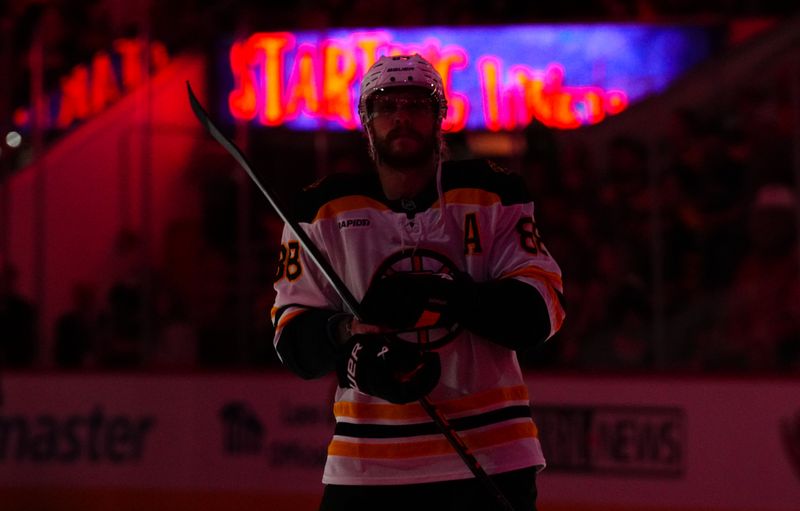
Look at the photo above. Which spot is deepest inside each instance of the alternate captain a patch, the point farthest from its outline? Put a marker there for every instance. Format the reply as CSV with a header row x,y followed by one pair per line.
x,y
472,237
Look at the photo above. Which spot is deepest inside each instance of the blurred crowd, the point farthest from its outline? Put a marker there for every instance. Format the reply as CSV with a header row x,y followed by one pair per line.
x,y
689,262
680,255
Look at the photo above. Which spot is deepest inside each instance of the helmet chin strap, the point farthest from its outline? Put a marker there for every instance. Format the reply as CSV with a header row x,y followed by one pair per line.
x,y
443,217
373,153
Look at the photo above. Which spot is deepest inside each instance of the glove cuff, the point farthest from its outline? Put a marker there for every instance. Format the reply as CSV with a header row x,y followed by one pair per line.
x,y
465,298
338,330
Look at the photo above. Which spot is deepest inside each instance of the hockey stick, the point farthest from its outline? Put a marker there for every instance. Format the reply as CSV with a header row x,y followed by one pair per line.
x,y
344,293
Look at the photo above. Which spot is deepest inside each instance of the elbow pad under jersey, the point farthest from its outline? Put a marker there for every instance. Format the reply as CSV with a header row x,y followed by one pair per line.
x,y
305,346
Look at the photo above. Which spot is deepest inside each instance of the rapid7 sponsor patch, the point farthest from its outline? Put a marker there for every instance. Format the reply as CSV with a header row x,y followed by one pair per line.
x,y
353,222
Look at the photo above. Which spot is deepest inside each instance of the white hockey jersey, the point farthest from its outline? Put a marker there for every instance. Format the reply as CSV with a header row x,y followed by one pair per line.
x,y
481,222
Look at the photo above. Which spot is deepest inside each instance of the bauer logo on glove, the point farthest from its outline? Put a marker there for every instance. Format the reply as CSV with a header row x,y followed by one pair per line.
x,y
392,370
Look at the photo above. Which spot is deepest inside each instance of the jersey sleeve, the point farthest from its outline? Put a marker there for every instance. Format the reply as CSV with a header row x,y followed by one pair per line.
x,y
518,252
299,285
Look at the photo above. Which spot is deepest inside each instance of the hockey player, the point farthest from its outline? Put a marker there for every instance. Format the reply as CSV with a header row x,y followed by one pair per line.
x,y
453,278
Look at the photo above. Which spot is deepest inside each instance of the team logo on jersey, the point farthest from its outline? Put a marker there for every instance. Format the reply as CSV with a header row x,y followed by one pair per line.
x,y
421,260
353,222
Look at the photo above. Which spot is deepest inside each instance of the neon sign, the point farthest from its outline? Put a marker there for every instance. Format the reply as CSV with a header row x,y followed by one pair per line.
x,y
88,89
498,78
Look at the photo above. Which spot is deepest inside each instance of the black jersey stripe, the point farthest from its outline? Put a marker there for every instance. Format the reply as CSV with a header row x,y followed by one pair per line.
x,y
487,176
349,429
332,187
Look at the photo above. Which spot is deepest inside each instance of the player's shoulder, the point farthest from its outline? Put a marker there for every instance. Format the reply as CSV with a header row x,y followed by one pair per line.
x,y
486,176
330,188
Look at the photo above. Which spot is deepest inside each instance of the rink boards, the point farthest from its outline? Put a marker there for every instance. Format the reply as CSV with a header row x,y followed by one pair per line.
x,y
208,442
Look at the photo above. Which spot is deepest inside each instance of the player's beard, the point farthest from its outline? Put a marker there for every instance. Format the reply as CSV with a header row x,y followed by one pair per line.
x,y
404,159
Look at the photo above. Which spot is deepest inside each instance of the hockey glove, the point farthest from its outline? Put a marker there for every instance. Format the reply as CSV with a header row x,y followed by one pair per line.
x,y
414,300
395,371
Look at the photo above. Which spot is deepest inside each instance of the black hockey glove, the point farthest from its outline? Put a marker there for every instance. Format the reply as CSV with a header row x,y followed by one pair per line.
x,y
392,370
414,300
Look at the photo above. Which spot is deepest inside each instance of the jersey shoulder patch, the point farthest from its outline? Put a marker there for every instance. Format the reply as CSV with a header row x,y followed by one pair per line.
x,y
486,175
329,188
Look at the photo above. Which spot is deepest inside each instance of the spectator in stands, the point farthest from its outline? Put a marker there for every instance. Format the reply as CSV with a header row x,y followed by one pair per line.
x,y
177,341
712,196
18,335
760,327
216,313
614,320
627,203
76,329
122,323
617,317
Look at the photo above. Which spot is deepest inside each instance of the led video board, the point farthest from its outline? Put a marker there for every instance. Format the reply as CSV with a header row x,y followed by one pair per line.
x,y
495,78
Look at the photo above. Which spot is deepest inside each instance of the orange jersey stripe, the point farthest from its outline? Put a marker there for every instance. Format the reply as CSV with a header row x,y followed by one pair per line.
x,y
475,440
553,282
548,277
348,203
415,411
558,320
473,196
288,317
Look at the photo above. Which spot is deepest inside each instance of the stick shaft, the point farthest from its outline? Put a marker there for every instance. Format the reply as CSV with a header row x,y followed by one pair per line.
x,y
311,249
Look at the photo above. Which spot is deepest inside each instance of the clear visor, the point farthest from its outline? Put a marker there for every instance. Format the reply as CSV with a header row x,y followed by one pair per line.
x,y
386,105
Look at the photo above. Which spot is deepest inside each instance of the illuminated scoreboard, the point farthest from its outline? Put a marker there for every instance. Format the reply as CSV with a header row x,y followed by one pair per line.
x,y
495,78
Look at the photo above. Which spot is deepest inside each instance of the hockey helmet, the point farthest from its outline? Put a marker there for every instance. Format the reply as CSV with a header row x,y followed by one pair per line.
x,y
401,71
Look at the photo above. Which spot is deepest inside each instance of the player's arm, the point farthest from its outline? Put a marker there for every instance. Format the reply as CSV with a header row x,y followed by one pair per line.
x,y
524,299
520,306
313,337
304,344
310,341
318,341
522,303
507,311
304,305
